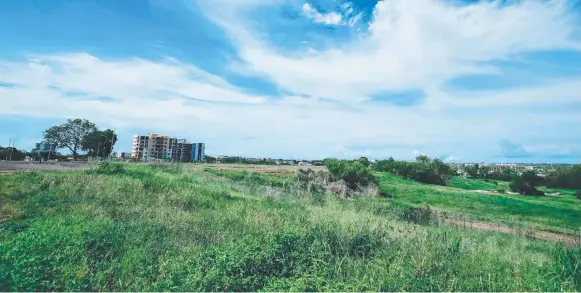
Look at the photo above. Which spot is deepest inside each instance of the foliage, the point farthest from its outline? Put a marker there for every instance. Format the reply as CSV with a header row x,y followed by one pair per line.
x,y
425,170
99,143
354,173
545,213
565,177
525,183
146,229
70,134
11,153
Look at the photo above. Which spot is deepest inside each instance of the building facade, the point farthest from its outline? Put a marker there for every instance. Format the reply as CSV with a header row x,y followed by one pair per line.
x,y
44,147
157,146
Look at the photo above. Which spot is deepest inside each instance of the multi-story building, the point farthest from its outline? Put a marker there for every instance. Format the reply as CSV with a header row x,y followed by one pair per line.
x,y
157,146
44,147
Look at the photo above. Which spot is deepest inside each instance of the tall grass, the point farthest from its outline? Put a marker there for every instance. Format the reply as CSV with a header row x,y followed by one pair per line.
x,y
142,228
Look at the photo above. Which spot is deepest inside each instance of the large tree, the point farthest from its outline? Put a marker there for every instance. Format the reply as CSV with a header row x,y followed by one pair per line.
x,y
70,135
99,143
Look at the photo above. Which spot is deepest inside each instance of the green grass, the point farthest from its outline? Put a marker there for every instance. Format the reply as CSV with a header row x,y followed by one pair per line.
x,y
558,214
477,184
141,228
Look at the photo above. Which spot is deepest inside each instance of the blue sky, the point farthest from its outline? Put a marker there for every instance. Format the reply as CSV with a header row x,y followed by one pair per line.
x,y
460,80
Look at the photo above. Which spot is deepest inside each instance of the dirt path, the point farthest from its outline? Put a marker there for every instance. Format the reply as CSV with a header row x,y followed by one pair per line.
x,y
505,229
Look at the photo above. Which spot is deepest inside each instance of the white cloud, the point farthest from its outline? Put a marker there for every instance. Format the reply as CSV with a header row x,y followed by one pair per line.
x,y
416,45
409,45
158,96
331,18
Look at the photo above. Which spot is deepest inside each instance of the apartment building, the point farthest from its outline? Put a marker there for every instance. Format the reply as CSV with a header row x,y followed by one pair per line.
x,y
157,146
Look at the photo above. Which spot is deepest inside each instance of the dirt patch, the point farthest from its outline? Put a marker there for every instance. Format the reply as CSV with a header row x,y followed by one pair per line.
x,y
19,166
505,229
284,170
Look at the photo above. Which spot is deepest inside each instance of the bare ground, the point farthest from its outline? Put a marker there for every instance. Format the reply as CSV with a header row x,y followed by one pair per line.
x,y
261,168
505,229
18,166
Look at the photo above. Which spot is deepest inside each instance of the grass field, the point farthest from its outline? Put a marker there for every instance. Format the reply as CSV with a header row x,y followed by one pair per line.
x,y
140,227
551,213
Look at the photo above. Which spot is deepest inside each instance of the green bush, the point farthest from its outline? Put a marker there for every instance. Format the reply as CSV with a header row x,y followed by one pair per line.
x,y
425,170
108,168
354,173
525,184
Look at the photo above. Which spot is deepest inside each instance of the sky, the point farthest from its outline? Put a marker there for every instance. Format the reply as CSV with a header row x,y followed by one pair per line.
x,y
465,81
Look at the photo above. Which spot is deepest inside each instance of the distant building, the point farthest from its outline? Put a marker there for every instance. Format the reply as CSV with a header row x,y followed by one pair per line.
x,y
121,155
44,147
157,146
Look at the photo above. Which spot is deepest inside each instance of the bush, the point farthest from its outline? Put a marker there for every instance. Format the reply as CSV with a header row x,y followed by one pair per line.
x,y
354,173
565,178
525,184
109,168
425,170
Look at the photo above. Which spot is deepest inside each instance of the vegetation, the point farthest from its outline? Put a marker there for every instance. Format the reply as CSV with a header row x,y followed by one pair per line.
x,y
558,214
99,143
354,173
425,170
565,177
70,134
166,228
525,183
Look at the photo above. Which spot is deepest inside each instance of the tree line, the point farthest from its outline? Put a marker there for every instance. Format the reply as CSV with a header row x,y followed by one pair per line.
x,y
76,135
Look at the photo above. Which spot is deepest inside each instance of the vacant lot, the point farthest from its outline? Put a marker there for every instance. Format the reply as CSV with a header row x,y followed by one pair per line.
x,y
15,166
137,227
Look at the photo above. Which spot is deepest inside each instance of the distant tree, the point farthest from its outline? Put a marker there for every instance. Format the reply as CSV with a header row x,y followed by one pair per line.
x,y
472,171
364,161
565,177
423,159
70,135
11,153
424,169
483,172
525,183
99,143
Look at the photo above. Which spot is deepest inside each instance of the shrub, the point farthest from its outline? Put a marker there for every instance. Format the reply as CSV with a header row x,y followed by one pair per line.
x,y
425,170
354,173
525,184
107,167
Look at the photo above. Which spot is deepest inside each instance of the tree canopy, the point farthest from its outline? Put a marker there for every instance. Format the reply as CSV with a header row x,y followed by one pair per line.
x,y
99,143
70,134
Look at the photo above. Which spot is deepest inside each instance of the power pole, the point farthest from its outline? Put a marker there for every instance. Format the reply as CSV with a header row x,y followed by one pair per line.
x,y
112,138
11,148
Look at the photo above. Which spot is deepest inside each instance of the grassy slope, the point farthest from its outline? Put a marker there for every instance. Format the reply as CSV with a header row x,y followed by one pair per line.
x,y
476,184
545,213
150,229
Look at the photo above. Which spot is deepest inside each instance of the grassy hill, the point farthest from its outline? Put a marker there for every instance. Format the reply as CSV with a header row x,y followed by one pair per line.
x,y
552,213
146,228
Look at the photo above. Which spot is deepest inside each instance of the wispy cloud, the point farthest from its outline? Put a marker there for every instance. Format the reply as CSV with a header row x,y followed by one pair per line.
x,y
331,18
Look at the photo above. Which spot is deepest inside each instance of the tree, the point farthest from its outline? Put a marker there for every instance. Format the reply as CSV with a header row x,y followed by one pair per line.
x,y
364,161
99,143
525,183
70,135
472,171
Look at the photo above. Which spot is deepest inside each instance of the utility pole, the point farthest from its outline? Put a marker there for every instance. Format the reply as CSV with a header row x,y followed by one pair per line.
x,y
11,148
112,138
